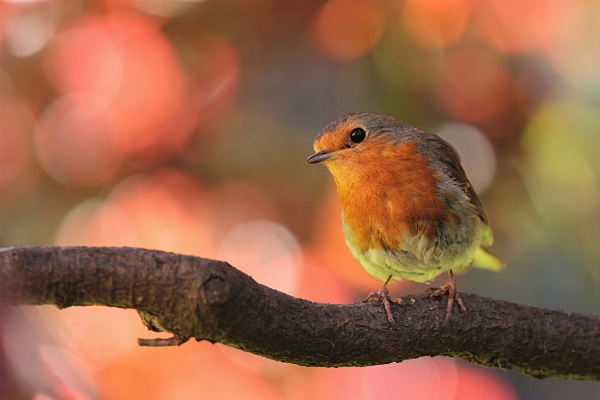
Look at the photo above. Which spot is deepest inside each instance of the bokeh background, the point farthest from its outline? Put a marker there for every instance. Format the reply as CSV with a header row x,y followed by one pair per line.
x,y
185,126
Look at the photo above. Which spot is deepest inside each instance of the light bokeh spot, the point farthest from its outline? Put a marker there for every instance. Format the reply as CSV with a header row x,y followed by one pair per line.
x,y
76,140
476,151
347,29
472,84
29,31
266,251
435,24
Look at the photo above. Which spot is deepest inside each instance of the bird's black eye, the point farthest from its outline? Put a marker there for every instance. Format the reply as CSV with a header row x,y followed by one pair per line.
x,y
358,135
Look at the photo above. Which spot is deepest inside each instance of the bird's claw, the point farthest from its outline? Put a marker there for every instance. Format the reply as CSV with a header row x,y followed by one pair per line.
x,y
450,288
383,295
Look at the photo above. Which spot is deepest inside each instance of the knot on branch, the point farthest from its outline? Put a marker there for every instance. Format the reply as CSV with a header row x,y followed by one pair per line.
x,y
215,289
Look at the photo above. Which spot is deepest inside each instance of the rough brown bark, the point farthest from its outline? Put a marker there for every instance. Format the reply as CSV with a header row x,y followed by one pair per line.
x,y
210,300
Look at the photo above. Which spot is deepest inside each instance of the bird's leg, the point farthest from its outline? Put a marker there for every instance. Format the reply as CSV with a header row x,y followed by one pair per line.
x,y
383,295
450,288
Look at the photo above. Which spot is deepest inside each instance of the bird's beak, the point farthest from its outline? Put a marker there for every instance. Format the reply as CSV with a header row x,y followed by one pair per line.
x,y
321,156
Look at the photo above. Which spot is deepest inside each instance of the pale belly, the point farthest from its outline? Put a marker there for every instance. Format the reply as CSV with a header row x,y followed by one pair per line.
x,y
419,259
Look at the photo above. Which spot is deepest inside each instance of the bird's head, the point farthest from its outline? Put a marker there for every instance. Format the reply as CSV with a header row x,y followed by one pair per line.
x,y
358,137
357,145
356,133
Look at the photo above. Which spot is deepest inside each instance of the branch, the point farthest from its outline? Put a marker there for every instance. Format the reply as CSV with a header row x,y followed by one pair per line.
x,y
204,299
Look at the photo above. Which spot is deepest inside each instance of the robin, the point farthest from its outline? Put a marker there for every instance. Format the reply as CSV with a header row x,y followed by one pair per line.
x,y
408,209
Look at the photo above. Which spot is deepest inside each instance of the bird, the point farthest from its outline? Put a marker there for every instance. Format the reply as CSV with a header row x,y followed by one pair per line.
x,y
408,208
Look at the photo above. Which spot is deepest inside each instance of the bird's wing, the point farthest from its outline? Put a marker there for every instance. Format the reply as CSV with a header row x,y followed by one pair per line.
x,y
449,162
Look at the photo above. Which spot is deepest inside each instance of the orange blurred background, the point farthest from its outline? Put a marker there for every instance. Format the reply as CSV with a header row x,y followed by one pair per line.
x,y
184,126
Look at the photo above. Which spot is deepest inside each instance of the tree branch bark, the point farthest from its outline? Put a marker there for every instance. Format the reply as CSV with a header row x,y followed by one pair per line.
x,y
204,299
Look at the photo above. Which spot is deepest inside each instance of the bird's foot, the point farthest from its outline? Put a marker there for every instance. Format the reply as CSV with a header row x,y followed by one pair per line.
x,y
450,288
383,295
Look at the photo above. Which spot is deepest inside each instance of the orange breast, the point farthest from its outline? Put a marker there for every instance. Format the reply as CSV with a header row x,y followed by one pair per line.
x,y
386,190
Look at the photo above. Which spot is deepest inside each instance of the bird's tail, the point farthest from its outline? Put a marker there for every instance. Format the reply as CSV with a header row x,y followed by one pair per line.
x,y
484,258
